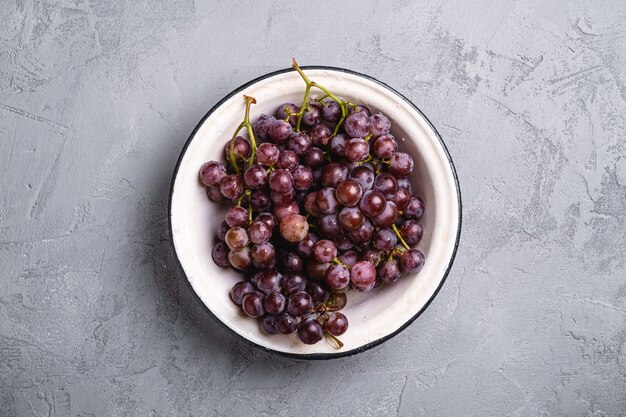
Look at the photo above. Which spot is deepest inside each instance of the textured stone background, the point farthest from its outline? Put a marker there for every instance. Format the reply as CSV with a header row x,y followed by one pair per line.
x,y
97,98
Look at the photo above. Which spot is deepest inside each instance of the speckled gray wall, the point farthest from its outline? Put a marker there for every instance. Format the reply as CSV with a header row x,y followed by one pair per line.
x,y
97,98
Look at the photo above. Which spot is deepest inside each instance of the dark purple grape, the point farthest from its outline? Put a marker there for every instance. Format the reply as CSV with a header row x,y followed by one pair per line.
x,y
236,217
302,178
380,125
349,192
411,231
386,184
372,203
240,146
286,324
415,208
268,324
337,324
350,218
357,149
274,302
288,112
337,277
312,115
291,262
240,290
293,283
338,145
328,224
363,175
300,143
343,242
231,186
349,257
221,231
388,216
299,304
260,200
259,232
401,198
310,204
318,292
385,240
267,154
252,304
262,125
269,281
269,219
362,234
372,256
256,276
310,331
327,200
320,134
313,158
283,211
305,246
211,173
389,271
264,256
385,146
316,270
331,111
281,181
363,276
400,164
333,173
324,251
236,238
412,260
220,254
280,131
357,125
294,227
283,199
287,160
361,108
214,194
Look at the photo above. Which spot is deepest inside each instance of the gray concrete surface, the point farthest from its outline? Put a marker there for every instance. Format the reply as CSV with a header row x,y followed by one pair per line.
x,y
97,98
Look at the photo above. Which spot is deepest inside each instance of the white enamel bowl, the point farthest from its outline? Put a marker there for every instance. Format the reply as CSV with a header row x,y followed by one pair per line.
x,y
374,316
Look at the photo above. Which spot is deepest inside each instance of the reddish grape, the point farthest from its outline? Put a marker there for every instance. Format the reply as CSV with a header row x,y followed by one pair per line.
x,y
363,276
349,192
211,173
220,254
240,290
252,305
337,324
294,227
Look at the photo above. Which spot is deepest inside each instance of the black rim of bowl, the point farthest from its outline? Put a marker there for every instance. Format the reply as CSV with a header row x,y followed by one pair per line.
x,y
316,356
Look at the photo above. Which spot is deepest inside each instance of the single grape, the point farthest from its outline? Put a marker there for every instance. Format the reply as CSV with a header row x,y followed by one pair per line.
x,y
357,124
269,281
412,260
327,200
222,229
386,184
388,216
343,242
363,276
389,271
231,186
241,258
286,324
262,125
337,324
304,247
415,208
274,303
331,111
236,217
283,199
385,146
318,291
302,178
337,277
338,145
264,256
240,290
361,108
300,143
211,173
288,160
269,219
214,193
357,149
291,262
280,131
220,254
320,134
236,238
299,304
363,175
401,198
241,148
351,218
363,234
310,204
281,181
312,115
411,231
385,240
333,173
288,112
380,125
313,158
293,283
324,250
373,203
268,324
310,331
328,224
349,192
294,227
349,257
259,232
316,270
400,164
260,200
267,154
252,304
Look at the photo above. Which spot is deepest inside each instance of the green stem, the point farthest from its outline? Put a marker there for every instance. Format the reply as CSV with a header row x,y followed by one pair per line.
x,y
304,106
246,122
338,262
395,229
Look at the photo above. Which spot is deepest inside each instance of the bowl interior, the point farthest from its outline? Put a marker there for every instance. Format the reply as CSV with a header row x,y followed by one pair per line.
x,y
373,315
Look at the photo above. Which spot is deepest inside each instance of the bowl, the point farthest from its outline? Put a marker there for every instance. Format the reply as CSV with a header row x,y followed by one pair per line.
x,y
374,316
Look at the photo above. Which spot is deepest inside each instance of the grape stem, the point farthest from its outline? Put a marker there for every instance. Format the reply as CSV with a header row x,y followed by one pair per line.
x,y
395,229
338,262
339,343
305,102
245,123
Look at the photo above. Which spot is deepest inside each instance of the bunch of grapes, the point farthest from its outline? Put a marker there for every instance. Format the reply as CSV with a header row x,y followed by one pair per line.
x,y
321,205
